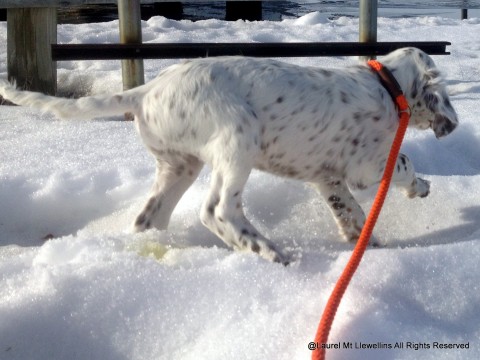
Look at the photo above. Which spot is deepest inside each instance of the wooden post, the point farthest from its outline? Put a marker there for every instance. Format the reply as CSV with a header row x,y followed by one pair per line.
x,y
245,10
30,32
368,22
131,33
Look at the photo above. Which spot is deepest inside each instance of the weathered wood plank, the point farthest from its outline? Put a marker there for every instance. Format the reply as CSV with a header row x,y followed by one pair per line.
x,y
368,22
5,4
195,50
130,33
30,33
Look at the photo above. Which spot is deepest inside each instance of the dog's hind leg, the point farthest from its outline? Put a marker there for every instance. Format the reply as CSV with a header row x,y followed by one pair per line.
x,y
174,175
222,212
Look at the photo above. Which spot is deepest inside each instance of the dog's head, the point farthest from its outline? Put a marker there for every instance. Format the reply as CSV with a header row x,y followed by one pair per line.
x,y
425,90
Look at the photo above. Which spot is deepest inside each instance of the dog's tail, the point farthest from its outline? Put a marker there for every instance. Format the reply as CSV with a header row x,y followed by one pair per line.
x,y
84,108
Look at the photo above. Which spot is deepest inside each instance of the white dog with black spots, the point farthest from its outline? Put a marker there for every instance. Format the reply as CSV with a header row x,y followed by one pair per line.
x,y
332,128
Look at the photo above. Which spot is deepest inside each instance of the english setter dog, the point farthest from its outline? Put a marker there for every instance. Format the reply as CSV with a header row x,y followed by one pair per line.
x,y
330,127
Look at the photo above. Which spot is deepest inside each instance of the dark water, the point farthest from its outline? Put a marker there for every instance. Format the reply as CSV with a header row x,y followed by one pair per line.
x,y
276,10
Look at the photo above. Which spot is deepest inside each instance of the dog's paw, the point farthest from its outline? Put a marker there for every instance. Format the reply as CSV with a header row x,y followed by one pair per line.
x,y
422,188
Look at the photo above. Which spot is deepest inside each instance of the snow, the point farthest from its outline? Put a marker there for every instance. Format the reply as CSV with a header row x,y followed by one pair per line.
x,y
96,291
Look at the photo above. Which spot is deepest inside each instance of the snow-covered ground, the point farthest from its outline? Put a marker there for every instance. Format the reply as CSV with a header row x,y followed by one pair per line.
x,y
96,291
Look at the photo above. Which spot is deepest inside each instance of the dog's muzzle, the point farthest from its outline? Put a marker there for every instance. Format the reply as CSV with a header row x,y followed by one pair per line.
x,y
442,126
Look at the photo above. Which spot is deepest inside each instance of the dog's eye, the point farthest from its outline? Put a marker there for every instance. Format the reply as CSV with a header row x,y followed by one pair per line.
x,y
431,101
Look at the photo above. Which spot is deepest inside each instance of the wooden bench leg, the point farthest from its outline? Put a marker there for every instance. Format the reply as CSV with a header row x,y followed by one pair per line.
x,y
30,33
131,33
245,10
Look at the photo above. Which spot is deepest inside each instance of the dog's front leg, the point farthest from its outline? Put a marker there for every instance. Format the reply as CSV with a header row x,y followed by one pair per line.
x,y
405,178
347,212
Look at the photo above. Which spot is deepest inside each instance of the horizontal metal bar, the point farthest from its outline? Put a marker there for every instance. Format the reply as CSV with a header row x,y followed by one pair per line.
x,y
61,52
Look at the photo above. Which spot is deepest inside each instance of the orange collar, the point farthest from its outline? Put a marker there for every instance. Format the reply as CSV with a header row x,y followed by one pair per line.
x,y
390,84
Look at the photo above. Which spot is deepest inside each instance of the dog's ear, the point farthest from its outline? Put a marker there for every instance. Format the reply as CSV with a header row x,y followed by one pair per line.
x,y
437,101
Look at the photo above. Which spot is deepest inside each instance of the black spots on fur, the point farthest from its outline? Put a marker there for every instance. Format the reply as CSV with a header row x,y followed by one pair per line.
x,y
360,186
334,183
344,97
328,94
141,219
297,110
279,100
402,163
334,198
212,206
118,98
255,248
431,101
179,170
355,142
414,91
358,117
239,129
336,203
448,104
211,209
302,128
264,146
151,205
338,206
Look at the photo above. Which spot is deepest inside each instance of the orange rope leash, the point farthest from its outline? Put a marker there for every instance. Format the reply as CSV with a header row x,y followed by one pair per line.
x,y
336,296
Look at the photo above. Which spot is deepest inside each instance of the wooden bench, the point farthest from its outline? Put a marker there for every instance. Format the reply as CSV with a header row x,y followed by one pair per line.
x,y
32,28
33,50
195,50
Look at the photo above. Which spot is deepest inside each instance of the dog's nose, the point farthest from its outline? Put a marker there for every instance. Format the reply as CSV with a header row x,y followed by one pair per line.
x,y
442,126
